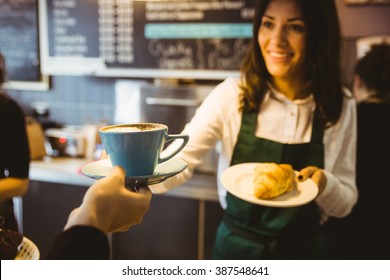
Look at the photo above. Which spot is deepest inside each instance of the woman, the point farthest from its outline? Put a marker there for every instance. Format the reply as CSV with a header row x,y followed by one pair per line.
x,y
372,91
289,107
14,153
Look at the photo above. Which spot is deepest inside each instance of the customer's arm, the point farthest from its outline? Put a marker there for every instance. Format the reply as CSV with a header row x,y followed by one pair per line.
x,y
107,207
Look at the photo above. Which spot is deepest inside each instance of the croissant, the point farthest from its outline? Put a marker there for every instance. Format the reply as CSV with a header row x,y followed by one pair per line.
x,y
271,180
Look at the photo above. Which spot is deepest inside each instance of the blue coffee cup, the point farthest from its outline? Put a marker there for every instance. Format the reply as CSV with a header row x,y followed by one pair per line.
x,y
137,147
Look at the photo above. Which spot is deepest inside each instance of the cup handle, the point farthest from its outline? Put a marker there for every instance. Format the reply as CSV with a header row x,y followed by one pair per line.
x,y
171,137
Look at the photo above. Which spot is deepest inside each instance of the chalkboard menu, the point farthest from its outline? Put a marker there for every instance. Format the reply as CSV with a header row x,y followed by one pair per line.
x,y
19,43
140,38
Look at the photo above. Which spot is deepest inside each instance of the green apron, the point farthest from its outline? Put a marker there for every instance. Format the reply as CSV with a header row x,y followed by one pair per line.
x,y
250,231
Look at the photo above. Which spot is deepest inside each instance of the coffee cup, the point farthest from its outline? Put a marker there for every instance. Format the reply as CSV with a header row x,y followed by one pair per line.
x,y
137,147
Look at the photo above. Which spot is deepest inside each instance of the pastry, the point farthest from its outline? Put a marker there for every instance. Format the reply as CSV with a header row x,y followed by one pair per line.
x,y
271,180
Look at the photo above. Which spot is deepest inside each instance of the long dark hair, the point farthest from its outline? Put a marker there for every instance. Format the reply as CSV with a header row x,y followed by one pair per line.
x,y
374,70
322,60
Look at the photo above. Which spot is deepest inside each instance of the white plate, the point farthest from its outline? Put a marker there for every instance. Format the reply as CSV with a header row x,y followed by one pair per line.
x,y
100,169
238,180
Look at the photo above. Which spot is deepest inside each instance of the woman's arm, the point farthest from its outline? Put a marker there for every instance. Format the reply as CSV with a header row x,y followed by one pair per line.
x,y
205,129
340,193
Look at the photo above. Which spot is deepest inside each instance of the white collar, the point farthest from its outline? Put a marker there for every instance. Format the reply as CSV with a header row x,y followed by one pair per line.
x,y
278,96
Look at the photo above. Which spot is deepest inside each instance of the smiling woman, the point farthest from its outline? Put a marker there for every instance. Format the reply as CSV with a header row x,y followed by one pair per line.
x,y
288,107
282,35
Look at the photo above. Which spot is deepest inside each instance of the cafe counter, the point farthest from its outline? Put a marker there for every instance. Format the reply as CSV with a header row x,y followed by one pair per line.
x,y
180,223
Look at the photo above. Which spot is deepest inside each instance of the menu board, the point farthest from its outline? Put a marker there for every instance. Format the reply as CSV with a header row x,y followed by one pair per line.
x,y
140,38
19,43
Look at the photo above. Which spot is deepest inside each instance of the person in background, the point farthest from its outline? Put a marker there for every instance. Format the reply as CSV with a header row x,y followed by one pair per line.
x,y
366,230
14,153
288,107
107,207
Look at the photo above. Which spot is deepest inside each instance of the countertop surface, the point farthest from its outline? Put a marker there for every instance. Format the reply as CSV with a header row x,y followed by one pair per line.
x,y
66,170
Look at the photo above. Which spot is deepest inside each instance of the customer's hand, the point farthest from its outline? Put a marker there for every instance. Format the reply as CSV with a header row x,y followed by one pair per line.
x,y
316,174
109,206
103,155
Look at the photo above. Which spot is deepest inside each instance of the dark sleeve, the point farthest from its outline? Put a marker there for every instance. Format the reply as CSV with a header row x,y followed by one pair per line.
x,y
14,149
80,243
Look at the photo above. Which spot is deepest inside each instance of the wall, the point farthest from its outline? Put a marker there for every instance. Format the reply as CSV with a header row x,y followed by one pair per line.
x,y
364,20
359,21
78,100
74,100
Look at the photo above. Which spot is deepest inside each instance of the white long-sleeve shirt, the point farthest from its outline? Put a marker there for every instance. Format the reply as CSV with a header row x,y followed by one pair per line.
x,y
280,119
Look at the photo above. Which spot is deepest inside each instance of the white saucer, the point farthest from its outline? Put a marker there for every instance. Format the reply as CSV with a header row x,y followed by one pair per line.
x,y
238,180
100,169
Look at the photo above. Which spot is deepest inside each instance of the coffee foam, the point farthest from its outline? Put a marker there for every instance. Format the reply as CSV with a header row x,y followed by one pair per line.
x,y
132,128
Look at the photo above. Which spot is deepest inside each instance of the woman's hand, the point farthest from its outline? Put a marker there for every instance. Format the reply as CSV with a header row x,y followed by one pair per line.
x,y
316,174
